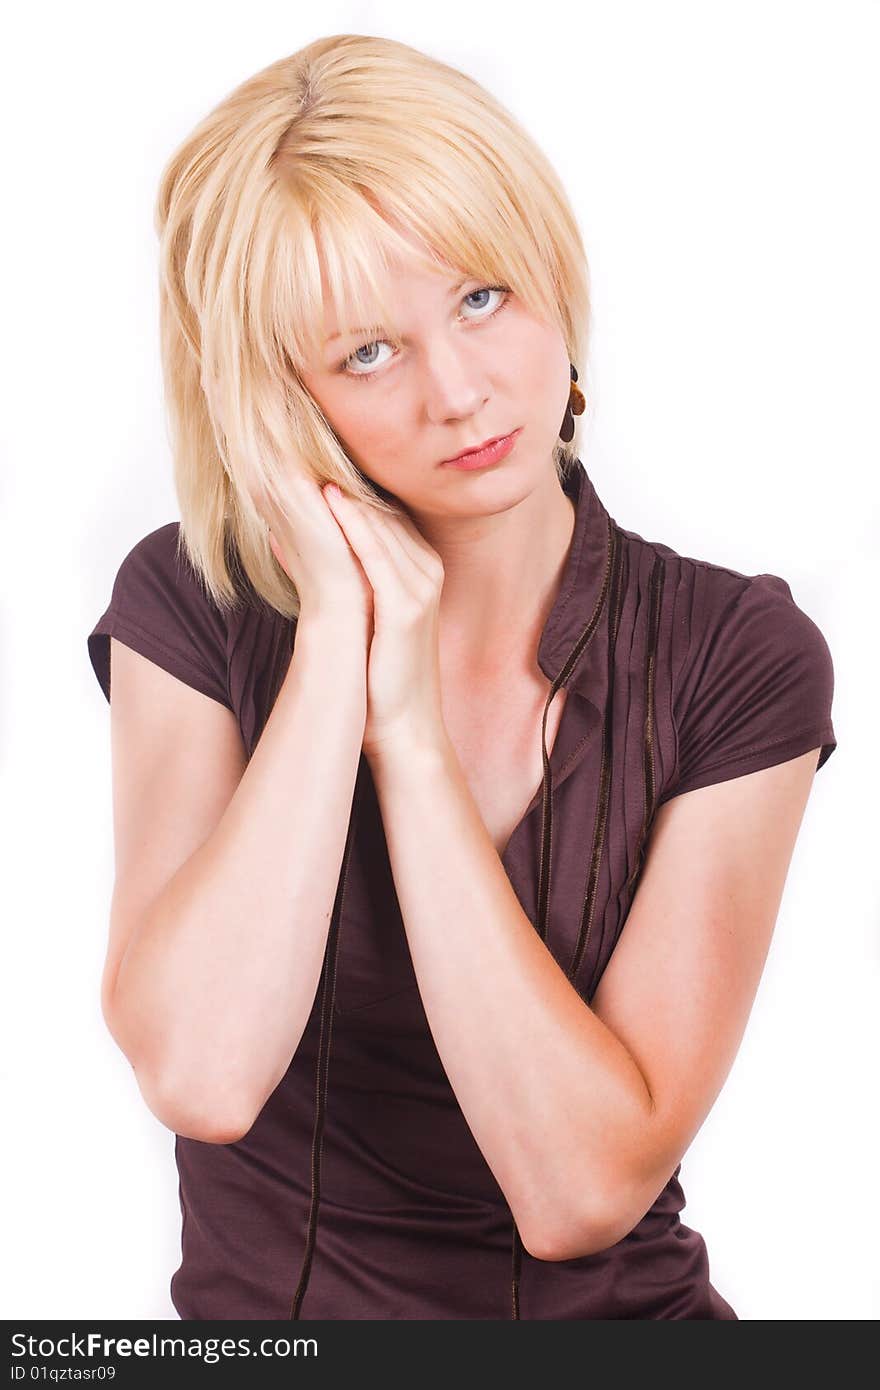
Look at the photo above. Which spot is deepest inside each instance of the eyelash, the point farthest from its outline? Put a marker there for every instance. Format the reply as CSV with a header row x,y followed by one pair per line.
x,y
370,376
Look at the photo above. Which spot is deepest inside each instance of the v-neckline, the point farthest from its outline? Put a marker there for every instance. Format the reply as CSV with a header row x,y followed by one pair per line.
x,y
577,725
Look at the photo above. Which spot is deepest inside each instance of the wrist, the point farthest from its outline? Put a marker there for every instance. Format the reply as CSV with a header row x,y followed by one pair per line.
x,y
338,629
332,656
426,746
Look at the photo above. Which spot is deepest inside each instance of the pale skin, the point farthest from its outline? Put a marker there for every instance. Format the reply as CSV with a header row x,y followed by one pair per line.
x,y
581,1111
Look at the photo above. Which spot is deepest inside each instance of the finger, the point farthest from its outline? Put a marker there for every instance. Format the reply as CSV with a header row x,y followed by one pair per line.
x,y
403,539
379,558
278,504
409,537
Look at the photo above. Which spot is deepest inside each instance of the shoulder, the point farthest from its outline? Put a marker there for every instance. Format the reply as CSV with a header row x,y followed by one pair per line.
x,y
158,558
160,606
745,675
732,623
704,599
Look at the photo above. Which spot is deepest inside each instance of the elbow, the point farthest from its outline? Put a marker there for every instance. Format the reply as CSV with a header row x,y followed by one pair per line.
x,y
574,1236
207,1119
575,1243
216,1132
195,1119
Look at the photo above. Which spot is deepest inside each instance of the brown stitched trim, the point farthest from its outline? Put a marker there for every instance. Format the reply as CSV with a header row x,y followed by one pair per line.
x,y
781,749
601,821
322,1072
586,636
574,656
117,622
757,750
649,750
654,635
516,1262
588,907
580,535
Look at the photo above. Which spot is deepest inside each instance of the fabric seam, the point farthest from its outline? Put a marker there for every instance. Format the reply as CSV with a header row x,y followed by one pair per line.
x,y
123,624
822,732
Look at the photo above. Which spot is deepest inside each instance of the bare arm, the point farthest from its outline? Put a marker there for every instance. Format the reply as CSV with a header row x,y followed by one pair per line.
x,y
218,979
584,1112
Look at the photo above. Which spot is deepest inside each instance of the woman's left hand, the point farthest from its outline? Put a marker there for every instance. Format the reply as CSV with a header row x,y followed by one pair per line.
x,y
403,668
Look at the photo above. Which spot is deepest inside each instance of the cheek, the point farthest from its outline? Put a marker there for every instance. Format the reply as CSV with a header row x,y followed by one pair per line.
x,y
365,428
541,360
549,378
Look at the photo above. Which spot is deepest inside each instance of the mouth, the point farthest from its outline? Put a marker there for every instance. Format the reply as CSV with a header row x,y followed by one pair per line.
x,y
488,452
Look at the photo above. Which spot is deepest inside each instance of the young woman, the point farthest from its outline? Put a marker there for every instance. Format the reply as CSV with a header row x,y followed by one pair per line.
x,y
452,819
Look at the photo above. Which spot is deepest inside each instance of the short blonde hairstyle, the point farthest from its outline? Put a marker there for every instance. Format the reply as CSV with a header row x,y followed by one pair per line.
x,y
307,154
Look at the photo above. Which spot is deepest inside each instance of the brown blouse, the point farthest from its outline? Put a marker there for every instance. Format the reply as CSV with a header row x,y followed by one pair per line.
x,y
360,1191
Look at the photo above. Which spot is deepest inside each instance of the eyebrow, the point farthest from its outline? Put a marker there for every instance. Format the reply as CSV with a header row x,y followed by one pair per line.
x,y
355,332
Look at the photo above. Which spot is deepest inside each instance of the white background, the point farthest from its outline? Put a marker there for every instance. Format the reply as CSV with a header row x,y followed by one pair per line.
x,y
721,159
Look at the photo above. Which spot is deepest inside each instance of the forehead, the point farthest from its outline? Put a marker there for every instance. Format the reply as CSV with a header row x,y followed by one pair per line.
x,y
374,285
364,259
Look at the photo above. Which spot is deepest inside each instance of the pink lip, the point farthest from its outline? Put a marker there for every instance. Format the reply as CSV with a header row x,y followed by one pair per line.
x,y
488,453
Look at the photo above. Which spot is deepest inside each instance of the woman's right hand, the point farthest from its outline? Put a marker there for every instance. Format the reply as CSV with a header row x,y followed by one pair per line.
x,y
312,549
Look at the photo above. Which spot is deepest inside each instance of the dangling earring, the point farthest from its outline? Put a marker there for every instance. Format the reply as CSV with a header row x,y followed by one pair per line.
x,y
576,406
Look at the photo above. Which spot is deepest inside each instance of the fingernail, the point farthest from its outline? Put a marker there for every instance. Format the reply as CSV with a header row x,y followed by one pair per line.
x,y
333,488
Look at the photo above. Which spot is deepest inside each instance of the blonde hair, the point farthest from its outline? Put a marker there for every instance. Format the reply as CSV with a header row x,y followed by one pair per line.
x,y
325,149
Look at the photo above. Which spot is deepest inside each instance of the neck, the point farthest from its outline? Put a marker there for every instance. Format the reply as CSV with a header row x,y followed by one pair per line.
x,y
502,576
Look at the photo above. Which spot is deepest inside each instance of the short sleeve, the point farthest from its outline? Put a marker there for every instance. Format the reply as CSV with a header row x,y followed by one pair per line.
x,y
160,608
756,686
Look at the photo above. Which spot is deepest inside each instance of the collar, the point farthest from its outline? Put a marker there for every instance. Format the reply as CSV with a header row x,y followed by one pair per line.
x,y
583,589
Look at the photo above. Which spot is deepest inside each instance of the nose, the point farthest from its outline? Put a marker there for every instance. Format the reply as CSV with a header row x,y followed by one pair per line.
x,y
454,382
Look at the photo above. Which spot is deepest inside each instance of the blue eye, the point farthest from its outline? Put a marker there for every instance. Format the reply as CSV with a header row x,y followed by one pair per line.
x,y
356,358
